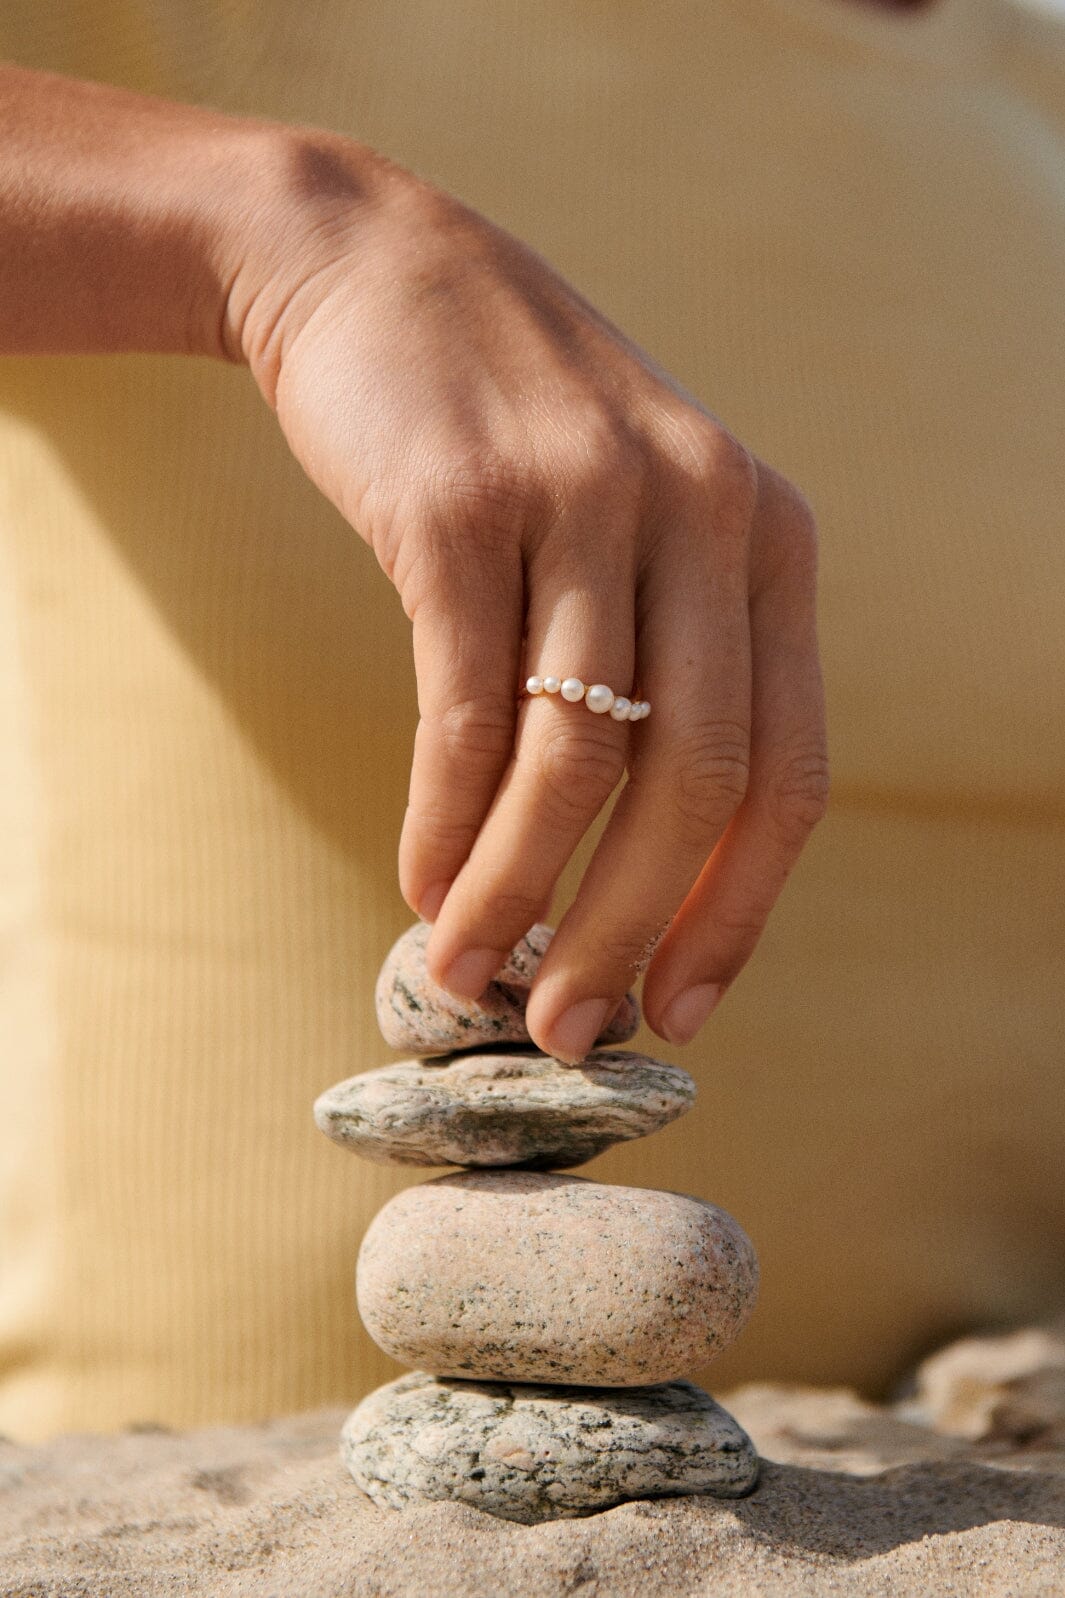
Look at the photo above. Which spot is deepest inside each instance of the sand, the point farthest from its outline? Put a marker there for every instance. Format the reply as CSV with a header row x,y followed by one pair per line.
x,y
853,1500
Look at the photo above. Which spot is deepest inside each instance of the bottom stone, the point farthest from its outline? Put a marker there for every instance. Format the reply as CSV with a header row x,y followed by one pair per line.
x,y
532,1453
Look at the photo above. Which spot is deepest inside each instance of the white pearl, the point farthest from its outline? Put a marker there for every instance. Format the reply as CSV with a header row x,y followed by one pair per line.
x,y
635,710
534,685
599,697
647,707
551,685
620,709
573,689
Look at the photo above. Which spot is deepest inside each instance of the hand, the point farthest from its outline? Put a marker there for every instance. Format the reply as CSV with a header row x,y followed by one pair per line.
x,y
547,499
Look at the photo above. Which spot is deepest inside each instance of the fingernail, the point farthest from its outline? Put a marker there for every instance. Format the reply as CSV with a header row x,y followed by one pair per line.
x,y
615,1012
431,900
470,974
577,1028
685,1014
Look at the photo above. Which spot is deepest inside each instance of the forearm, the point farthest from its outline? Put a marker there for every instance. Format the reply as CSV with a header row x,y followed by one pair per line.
x,y
126,221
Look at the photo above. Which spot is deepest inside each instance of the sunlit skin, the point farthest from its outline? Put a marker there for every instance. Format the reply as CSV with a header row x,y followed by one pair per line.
x,y
543,495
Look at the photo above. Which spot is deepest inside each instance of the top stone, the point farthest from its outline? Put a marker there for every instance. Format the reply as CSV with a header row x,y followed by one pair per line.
x,y
417,1015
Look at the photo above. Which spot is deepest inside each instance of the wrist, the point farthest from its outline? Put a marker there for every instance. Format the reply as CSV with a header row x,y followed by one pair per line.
x,y
306,200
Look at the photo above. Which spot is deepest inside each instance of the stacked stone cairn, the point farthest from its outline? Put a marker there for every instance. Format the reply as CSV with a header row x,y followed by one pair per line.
x,y
547,1316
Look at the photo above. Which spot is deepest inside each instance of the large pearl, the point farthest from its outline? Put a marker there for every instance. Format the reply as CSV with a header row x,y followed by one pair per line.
x,y
599,697
551,685
534,685
573,689
620,709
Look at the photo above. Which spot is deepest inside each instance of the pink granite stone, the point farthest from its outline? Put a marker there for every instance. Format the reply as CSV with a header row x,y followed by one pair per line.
x,y
521,1276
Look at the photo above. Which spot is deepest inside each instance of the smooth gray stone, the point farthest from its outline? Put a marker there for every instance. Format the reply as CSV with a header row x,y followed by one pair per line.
x,y
542,1453
503,1109
417,1015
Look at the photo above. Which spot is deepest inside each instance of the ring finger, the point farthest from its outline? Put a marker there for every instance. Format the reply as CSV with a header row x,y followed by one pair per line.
x,y
687,776
567,758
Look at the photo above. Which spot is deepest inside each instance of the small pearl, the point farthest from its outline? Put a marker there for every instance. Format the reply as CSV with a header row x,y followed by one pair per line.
x,y
534,685
636,710
647,707
599,697
551,685
573,689
620,709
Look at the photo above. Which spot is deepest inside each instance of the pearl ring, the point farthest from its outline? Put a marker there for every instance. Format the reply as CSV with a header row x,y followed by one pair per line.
x,y
598,697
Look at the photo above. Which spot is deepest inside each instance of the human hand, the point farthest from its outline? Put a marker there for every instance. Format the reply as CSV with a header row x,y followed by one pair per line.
x,y
546,499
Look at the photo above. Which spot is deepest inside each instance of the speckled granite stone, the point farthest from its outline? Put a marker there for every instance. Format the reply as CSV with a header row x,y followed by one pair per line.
x,y
416,1014
542,1453
851,1502
524,1276
503,1109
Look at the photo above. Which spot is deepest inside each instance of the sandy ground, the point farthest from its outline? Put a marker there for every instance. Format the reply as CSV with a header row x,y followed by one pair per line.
x,y
853,1500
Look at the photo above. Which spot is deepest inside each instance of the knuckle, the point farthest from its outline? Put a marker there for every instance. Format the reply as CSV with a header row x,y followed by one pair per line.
x,y
710,772
481,725
627,953
409,567
579,768
621,468
603,467
735,469
736,934
484,494
441,832
718,486
740,929
727,475
788,533
735,494
796,794
505,908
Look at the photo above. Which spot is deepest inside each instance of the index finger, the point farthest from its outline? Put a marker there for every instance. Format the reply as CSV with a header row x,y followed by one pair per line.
x,y
467,638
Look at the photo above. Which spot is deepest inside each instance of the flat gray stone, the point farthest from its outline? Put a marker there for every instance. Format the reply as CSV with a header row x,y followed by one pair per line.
x,y
522,1276
503,1108
417,1015
542,1453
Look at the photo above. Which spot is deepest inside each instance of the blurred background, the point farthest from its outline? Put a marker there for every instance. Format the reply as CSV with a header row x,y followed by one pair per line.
x,y
843,231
